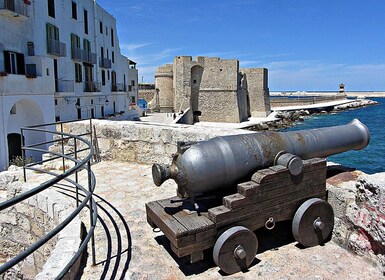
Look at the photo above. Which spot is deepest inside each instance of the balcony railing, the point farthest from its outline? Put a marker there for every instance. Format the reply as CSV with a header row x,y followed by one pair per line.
x,y
65,85
55,47
16,6
118,87
83,55
92,86
104,62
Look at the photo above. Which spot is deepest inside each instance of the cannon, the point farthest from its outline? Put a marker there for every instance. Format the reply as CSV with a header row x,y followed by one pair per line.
x,y
261,179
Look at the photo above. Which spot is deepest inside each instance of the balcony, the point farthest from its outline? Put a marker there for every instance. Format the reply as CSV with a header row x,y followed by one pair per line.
x,y
118,87
105,62
92,86
64,85
83,55
55,47
14,7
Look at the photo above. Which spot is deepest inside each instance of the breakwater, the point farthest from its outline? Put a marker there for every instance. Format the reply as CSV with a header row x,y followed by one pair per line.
x,y
371,159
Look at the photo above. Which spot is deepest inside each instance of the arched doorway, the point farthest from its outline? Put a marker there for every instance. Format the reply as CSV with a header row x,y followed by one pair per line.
x,y
196,77
14,145
25,112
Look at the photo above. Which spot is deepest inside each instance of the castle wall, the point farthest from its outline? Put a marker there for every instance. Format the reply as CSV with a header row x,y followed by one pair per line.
x,y
215,87
258,91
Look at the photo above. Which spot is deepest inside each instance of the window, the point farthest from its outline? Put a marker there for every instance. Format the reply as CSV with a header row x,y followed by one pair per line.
x,y
107,54
78,73
14,63
75,41
113,56
112,37
101,27
52,32
103,78
86,45
85,21
74,10
102,52
56,102
133,83
106,31
51,8
108,74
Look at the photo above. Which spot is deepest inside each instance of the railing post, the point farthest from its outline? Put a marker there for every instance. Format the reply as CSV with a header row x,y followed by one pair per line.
x,y
91,138
91,211
62,146
23,154
76,173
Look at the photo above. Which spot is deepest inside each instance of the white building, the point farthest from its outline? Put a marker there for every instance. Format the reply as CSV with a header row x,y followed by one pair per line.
x,y
59,60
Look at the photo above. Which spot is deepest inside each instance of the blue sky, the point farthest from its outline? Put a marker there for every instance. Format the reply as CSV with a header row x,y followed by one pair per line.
x,y
305,44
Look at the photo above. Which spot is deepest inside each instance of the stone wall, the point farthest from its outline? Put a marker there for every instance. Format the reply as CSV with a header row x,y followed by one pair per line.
x,y
358,201
214,87
27,222
258,91
146,94
144,143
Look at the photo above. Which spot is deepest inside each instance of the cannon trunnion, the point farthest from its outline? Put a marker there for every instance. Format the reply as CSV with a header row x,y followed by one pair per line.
x,y
272,195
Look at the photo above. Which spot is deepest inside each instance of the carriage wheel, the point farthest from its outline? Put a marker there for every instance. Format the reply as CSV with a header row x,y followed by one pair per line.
x,y
313,222
235,249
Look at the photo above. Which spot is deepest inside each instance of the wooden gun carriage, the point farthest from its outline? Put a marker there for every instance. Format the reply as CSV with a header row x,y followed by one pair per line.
x,y
285,188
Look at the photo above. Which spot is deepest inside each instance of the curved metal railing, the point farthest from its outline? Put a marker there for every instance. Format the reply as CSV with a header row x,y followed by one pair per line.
x,y
79,165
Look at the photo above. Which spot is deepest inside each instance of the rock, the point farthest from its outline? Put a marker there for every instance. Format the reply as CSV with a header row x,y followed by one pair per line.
x,y
359,207
6,178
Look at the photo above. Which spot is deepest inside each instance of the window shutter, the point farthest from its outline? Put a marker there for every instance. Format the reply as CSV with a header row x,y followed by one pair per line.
x,y
7,62
20,63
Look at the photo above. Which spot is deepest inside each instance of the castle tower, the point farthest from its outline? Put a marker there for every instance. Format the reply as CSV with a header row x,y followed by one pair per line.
x,y
164,83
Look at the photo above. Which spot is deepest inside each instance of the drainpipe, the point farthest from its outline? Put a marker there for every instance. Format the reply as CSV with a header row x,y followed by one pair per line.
x,y
95,44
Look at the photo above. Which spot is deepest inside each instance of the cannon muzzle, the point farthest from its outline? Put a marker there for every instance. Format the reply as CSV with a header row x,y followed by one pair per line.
x,y
223,161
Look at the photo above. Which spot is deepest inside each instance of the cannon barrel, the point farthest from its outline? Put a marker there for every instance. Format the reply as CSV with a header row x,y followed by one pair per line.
x,y
223,161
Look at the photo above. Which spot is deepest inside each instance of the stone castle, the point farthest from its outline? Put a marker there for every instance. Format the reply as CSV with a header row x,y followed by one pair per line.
x,y
215,89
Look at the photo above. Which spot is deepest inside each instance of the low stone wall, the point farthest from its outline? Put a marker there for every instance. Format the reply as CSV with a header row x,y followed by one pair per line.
x,y
143,142
27,222
359,207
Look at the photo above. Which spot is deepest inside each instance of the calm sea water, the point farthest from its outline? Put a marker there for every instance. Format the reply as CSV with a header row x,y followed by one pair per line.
x,y
372,158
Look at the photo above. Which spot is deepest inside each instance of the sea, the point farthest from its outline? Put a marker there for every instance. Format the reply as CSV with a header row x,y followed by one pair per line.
x,y
369,160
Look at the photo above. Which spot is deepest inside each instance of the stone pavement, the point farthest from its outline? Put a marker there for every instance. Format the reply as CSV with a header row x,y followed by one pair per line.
x,y
128,248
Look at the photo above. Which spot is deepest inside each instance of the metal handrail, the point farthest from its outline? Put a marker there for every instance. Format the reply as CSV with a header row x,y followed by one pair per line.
x,y
80,164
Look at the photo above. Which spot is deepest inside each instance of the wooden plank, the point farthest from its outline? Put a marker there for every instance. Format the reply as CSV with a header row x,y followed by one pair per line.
x,y
193,248
280,213
227,217
247,188
276,173
166,223
196,257
189,219
263,193
287,179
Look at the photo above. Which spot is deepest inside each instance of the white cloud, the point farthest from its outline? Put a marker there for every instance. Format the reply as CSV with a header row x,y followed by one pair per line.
x,y
133,47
